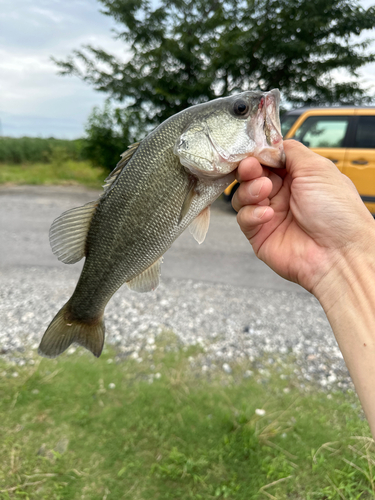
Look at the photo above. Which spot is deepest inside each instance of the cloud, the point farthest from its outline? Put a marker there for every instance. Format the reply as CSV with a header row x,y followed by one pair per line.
x,y
35,100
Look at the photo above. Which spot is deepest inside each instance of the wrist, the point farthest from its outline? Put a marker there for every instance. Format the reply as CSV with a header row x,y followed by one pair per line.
x,y
350,276
347,294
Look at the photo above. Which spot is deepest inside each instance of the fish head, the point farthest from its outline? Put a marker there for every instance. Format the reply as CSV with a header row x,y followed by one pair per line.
x,y
223,132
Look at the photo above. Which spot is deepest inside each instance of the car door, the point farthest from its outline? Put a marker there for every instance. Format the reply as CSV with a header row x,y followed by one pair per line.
x,y
325,134
360,160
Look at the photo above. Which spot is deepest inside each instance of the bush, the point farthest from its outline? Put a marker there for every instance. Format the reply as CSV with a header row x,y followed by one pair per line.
x,y
108,135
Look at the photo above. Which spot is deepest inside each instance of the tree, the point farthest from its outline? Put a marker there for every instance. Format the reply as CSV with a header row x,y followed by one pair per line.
x,y
189,51
108,132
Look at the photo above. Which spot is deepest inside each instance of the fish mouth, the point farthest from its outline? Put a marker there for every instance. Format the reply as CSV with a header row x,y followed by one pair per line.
x,y
269,150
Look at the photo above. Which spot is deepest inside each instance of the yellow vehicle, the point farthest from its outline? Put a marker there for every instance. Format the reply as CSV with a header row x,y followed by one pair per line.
x,y
344,135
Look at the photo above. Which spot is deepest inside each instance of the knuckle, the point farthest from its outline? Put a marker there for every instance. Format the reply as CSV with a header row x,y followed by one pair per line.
x,y
244,218
241,219
235,203
239,195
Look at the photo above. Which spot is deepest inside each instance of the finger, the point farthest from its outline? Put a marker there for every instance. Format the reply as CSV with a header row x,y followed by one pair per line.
x,y
252,192
249,169
277,183
280,172
252,217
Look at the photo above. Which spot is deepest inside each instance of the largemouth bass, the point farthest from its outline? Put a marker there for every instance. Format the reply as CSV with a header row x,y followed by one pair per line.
x,y
161,186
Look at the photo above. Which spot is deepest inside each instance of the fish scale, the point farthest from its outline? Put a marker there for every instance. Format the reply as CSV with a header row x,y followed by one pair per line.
x,y
160,186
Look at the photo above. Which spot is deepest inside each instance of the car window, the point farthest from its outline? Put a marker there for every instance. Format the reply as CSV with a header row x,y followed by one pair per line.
x,y
323,131
287,121
365,135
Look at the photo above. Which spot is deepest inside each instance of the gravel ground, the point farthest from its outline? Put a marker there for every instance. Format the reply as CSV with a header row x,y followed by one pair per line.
x,y
229,323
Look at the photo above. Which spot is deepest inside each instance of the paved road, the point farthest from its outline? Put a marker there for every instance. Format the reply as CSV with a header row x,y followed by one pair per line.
x,y
225,257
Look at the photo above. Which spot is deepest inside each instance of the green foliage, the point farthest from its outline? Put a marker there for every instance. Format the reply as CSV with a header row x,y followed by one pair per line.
x,y
108,134
78,427
187,52
34,149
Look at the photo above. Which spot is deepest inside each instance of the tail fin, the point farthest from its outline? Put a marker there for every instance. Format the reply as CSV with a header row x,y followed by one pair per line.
x,y
64,331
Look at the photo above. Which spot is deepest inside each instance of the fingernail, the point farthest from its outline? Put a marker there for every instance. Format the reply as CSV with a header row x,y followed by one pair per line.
x,y
255,187
259,212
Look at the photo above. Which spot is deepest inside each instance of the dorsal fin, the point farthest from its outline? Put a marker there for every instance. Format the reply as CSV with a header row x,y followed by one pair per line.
x,y
68,233
125,157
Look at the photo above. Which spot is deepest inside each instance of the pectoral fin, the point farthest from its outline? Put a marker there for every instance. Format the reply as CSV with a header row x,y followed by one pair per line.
x,y
148,280
189,197
200,224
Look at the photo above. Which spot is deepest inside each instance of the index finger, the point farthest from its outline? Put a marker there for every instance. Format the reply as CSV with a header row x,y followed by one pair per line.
x,y
249,169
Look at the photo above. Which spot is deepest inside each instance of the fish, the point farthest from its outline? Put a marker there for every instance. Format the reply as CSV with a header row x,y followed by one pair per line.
x,y
162,185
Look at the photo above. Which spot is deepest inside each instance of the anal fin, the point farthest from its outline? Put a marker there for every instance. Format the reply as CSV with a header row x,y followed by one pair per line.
x,y
148,280
200,224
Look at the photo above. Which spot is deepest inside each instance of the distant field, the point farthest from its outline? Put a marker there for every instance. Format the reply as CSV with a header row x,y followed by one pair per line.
x,y
37,150
29,160
155,426
66,172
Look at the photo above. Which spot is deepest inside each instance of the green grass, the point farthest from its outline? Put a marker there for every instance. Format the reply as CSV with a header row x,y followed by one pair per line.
x,y
60,171
66,434
16,150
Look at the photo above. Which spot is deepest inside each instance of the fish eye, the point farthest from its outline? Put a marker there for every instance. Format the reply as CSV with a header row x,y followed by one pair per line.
x,y
240,107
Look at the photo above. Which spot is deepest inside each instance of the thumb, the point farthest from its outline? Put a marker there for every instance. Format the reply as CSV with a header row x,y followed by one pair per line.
x,y
302,162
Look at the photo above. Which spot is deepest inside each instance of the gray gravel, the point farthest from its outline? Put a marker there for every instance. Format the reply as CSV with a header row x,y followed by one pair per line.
x,y
230,324
218,296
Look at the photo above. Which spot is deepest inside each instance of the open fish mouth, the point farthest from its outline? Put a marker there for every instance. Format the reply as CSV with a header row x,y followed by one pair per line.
x,y
266,129
236,127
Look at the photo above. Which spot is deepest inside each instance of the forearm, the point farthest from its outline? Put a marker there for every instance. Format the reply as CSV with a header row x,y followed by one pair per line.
x,y
347,295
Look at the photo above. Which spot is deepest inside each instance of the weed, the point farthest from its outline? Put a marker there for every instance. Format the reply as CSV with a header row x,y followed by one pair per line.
x,y
81,428
61,171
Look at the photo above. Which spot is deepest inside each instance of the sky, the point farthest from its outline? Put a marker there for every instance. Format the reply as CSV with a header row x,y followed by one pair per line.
x,y
35,100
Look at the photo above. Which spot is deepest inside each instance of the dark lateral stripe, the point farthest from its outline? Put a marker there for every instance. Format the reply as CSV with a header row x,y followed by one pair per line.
x,y
368,199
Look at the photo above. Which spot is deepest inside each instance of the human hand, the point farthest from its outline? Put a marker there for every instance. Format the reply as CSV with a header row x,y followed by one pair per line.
x,y
303,220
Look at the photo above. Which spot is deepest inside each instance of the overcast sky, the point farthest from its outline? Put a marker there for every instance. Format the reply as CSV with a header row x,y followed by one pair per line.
x,y
34,99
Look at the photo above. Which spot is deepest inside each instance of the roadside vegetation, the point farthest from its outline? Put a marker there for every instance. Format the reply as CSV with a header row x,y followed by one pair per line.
x,y
157,426
16,151
67,173
28,160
